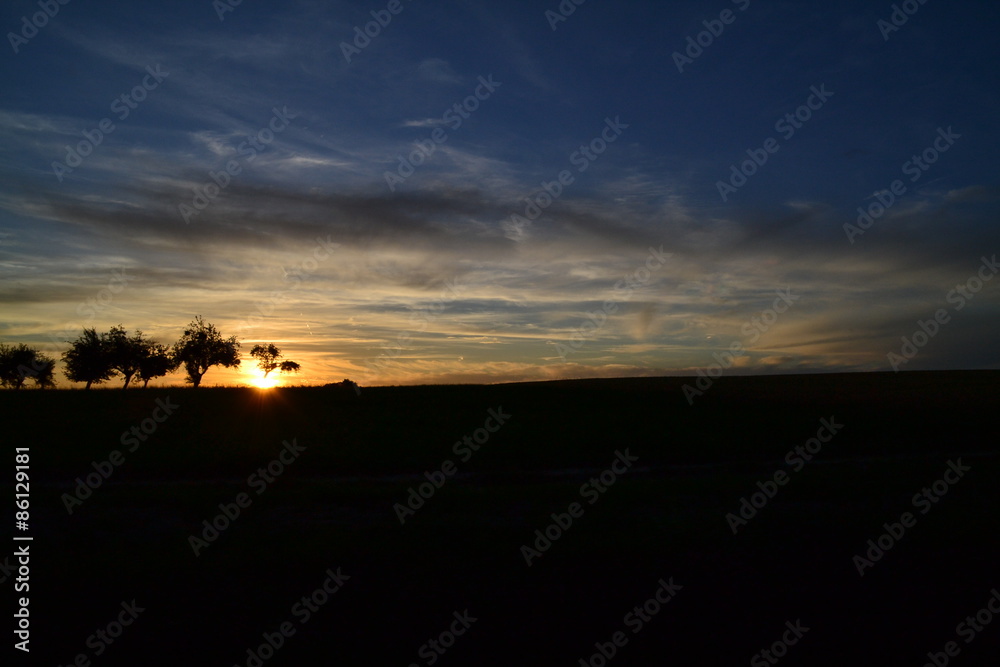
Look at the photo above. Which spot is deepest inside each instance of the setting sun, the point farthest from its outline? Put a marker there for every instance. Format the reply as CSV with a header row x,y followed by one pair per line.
x,y
262,382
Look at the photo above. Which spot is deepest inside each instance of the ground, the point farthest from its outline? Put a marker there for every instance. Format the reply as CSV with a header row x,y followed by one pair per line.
x,y
333,514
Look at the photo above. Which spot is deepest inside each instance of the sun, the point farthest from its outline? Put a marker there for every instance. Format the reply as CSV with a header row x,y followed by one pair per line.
x,y
262,382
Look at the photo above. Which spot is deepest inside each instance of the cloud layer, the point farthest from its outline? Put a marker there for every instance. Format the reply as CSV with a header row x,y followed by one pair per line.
x,y
293,236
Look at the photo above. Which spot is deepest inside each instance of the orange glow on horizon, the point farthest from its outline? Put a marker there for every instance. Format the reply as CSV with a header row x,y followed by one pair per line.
x,y
261,382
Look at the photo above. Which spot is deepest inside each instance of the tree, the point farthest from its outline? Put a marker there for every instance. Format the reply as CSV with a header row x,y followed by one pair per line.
x,y
201,347
126,352
17,363
89,359
44,376
10,358
156,362
267,359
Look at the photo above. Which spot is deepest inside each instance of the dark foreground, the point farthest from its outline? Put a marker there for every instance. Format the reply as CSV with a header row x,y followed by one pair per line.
x,y
659,528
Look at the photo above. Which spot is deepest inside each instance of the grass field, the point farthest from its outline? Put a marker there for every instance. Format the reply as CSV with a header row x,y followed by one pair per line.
x,y
332,506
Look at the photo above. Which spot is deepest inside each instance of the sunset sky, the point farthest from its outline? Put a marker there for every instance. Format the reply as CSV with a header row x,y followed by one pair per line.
x,y
310,245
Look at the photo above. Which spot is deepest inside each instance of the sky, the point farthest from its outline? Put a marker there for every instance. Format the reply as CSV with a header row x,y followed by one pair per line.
x,y
426,192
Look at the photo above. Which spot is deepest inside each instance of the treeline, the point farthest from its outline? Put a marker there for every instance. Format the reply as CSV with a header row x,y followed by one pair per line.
x,y
94,357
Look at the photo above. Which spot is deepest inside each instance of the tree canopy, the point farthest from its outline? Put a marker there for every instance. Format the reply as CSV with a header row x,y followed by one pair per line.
x,y
96,357
201,347
20,362
125,352
267,359
156,361
89,359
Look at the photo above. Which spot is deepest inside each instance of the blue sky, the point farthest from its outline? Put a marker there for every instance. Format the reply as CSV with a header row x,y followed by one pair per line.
x,y
433,279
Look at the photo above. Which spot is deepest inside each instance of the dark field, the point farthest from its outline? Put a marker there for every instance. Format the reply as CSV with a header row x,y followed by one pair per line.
x,y
665,517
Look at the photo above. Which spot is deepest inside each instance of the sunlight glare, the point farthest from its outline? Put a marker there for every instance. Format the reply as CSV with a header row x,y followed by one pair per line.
x,y
262,382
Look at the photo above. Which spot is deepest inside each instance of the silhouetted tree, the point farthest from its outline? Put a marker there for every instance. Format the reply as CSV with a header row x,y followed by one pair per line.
x,y
267,359
44,377
126,352
20,362
201,347
345,386
89,359
156,362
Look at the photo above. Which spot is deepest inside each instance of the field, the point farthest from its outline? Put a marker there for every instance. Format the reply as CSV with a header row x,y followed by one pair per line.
x,y
335,504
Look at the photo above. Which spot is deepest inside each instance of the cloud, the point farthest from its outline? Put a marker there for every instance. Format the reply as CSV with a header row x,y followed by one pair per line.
x,y
437,70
